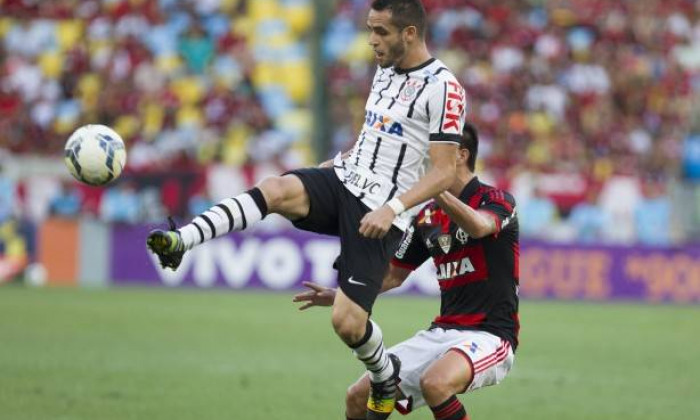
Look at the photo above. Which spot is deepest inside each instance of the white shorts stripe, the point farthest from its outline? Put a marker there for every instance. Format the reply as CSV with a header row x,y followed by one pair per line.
x,y
493,359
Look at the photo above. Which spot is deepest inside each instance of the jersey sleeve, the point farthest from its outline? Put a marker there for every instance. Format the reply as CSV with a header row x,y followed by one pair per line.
x,y
446,111
412,252
500,205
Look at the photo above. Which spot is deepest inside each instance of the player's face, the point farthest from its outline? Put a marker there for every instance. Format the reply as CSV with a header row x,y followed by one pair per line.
x,y
385,39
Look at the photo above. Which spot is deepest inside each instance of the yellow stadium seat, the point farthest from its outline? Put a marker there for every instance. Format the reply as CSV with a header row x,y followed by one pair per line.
x,y
5,26
300,18
264,9
539,152
265,74
168,64
243,26
297,80
51,64
228,6
234,151
603,168
88,90
153,115
127,126
540,123
65,125
68,33
16,248
189,90
188,116
278,41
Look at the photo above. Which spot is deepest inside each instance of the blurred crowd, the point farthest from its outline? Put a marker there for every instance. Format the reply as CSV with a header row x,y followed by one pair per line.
x,y
585,108
209,95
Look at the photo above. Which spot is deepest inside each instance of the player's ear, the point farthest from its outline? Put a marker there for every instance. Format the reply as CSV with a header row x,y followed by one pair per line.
x,y
409,34
462,156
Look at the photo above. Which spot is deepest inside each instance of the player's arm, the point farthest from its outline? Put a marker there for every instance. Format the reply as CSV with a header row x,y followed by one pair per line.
x,y
475,223
439,177
495,213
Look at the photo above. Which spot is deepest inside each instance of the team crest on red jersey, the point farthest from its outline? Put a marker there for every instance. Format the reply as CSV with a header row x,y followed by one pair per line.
x,y
445,242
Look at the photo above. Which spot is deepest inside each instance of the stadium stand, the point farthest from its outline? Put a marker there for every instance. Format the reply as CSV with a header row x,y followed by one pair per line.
x,y
585,108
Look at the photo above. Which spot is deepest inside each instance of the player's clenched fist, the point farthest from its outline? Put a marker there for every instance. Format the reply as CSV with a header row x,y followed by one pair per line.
x,y
377,223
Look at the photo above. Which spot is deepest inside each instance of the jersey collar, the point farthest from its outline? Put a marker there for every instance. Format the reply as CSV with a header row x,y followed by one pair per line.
x,y
470,189
418,67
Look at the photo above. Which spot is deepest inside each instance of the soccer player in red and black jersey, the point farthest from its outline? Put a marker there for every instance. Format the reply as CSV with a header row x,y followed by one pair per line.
x,y
471,233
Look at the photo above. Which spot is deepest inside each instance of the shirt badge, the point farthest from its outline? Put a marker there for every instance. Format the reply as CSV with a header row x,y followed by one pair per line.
x,y
462,236
445,242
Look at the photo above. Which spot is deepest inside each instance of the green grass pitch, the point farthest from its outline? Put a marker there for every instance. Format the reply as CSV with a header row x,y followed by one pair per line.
x,y
172,354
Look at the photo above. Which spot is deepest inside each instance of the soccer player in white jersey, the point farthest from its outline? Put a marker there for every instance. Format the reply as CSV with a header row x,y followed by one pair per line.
x,y
415,110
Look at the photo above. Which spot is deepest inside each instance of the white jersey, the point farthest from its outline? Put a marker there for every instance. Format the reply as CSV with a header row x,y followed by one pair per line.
x,y
407,111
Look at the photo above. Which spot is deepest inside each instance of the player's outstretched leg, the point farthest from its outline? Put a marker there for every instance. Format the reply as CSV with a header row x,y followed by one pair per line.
x,y
231,214
281,194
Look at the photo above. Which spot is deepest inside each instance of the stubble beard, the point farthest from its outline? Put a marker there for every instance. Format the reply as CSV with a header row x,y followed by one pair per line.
x,y
396,53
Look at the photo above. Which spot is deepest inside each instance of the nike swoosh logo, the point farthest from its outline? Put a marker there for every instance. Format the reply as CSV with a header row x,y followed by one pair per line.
x,y
359,283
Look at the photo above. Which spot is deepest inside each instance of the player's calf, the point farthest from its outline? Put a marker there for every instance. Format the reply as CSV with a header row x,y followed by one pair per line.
x,y
446,377
356,399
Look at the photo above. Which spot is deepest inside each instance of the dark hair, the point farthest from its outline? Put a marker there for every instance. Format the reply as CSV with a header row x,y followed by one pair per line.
x,y
470,141
404,13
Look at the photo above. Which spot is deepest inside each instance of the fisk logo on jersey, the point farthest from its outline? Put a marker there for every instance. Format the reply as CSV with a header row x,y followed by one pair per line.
x,y
454,107
383,123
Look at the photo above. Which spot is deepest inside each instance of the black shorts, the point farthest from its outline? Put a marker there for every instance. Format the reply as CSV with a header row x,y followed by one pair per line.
x,y
334,210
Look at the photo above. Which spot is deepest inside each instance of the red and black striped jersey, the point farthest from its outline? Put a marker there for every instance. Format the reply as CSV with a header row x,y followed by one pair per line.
x,y
478,277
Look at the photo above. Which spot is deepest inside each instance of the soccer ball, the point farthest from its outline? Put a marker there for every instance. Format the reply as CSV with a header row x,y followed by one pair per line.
x,y
95,154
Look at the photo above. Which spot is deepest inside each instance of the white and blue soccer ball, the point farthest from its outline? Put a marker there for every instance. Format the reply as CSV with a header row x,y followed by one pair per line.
x,y
95,154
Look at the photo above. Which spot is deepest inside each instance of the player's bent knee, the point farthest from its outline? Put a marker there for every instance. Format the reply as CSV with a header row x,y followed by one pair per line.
x,y
284,194
348,329
273,191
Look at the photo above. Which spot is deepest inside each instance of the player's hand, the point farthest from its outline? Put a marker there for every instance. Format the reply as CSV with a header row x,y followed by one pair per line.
x,y
317,296
326,164
377,223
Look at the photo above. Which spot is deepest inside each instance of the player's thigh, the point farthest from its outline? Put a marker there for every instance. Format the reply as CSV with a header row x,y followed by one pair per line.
x,y
489,357
312,202
452,372
285,195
